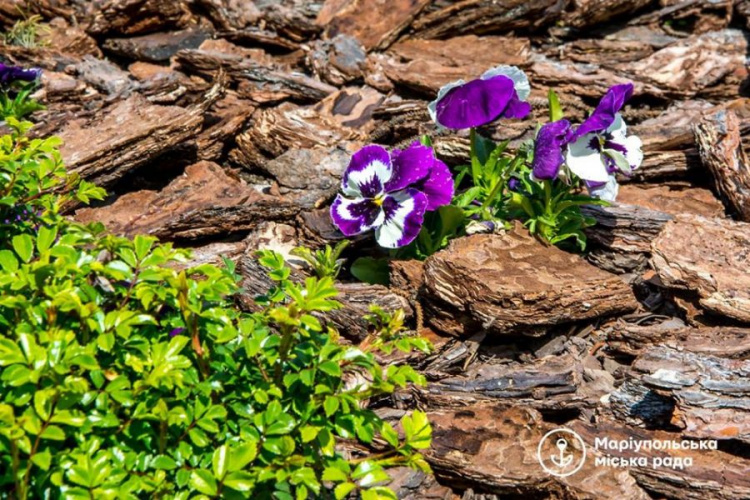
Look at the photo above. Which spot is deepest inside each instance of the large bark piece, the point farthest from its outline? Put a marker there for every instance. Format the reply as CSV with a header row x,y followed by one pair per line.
x,y
157,47
495,451
708,257
427,65
713,475
720,146
692,66
730,342
552,383
486,16
590,12
708,393
129,134
131,17
513,283
375,23
203,202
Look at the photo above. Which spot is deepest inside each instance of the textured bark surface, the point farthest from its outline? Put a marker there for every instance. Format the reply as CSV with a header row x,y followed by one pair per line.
x,y
702,395
718,138
523,287
103,150
205,201
730,342
708,257
495,450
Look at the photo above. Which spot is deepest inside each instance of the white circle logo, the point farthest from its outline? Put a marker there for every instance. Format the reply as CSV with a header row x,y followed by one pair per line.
x,y
561,452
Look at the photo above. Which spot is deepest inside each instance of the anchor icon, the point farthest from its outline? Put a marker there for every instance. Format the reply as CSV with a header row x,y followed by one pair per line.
x,y
562,460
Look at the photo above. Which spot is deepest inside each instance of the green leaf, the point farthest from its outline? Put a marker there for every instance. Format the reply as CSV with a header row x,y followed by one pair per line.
x,y
342,490
240,481
203,481
331,405
240,456
8,261
220,461
45,237
335,474
24,246
42,459
163,462
555,110
371,270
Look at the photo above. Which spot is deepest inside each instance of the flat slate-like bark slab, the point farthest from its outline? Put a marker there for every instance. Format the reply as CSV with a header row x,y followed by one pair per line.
x,y
203,202
730,342
710,258
551,383
708,394
514,284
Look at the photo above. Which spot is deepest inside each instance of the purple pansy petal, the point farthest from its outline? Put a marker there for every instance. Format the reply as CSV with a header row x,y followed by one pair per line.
x,y
432,106
409,166
438,186
176,332
404,215
548,150
475,103
368,171
604,114
517,109
357,216
514,184
10,74
520,80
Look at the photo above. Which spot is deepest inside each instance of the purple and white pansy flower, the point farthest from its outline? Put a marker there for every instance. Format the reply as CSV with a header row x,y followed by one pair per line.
x,y
390,193
600,146
500,92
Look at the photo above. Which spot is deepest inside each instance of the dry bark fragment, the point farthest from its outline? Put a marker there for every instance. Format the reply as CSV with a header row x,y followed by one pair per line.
x,y
203,202
276,130
495,451
427,65
677,199
713,475
105,149
720,146
337,61
709,394
693,65
375,23
486,16
158,47
590,12
513,283
551,383
708,257
131,17
729,342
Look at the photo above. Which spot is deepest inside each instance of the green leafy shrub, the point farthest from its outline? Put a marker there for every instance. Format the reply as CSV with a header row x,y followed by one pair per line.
x,y
124,376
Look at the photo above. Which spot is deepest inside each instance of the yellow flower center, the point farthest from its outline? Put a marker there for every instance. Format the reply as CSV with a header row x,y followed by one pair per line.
x,y
379,199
